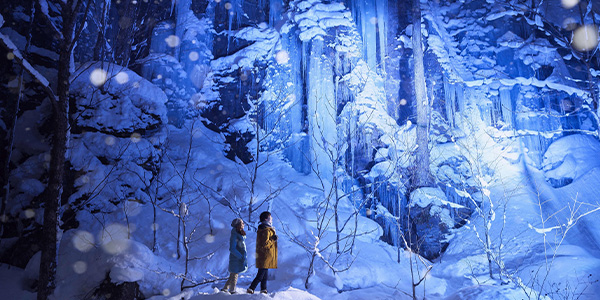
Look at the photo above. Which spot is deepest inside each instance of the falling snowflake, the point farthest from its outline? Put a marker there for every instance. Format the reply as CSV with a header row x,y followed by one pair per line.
x,y
80,267
194,56
569,24
136,137
122,78
110,140
209,238
114,238
172,41
282,57
29,213
98,77
83,241
585,38
568,4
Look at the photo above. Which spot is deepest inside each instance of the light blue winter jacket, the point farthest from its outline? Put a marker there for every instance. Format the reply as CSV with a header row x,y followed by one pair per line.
x,y
237,253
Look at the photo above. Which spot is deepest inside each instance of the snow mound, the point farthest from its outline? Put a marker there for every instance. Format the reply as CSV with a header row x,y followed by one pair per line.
x,y
289,294
485,292
571,157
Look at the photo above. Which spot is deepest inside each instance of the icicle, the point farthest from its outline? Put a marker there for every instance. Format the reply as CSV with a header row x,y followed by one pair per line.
x,y
275,11
506,106
450,100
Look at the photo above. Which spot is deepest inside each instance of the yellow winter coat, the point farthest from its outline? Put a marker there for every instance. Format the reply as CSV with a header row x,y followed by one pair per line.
x,y
266,247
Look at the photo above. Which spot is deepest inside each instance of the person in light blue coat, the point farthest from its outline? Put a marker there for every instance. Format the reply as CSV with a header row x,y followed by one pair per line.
x,y
238,263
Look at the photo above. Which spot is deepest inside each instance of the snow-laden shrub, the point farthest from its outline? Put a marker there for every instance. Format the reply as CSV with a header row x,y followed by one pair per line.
x,y
115,100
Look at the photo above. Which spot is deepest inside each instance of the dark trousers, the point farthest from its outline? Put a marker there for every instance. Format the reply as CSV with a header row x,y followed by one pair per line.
x,y
261,277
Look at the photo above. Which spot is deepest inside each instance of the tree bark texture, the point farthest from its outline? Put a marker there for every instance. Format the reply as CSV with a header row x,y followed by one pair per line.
x,y
422,173
53,193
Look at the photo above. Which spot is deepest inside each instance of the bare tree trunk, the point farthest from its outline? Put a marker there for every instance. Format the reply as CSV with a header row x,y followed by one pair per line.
x,y
186,249
336,213
254,173
60,104
125,35
99,48
423,176
311,268
56,174
154,227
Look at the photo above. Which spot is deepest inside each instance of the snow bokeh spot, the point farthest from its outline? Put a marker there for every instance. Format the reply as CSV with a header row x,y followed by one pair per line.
x,y
194,56
29,213
166,292
373,20
585,38
132,208
173,41
122,78
569,24
282,57
154,226
114,238
10,56
80,267
110,140
136,137
568,4
209,238
403,102
83,241
159,76
98,77
227,6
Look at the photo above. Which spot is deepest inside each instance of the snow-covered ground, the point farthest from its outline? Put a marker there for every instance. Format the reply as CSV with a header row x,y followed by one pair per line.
x,y
527,227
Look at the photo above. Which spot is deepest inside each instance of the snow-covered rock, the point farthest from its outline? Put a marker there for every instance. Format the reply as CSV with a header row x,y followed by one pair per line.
x,y
114,99
570,157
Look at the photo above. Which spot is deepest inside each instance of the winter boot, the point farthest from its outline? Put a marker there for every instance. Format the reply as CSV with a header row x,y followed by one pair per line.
x,y
263,291
250,291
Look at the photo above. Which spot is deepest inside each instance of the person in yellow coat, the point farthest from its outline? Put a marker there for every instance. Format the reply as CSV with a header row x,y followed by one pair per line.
x,y
266,252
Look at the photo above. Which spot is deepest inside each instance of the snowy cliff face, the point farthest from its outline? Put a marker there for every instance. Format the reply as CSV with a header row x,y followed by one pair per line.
x,y
514,65
324,85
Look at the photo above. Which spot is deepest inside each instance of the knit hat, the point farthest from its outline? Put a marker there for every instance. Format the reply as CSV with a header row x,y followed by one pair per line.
x,y
236,222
